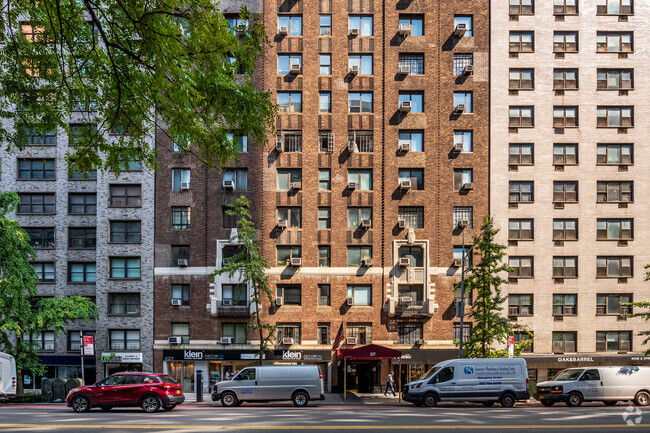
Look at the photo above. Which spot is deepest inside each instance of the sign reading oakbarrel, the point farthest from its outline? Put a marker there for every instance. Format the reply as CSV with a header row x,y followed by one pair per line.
x,y
209,355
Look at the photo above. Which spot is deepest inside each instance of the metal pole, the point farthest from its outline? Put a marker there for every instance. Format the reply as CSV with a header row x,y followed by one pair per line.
x,y
81,347
399,381
462,298
345,379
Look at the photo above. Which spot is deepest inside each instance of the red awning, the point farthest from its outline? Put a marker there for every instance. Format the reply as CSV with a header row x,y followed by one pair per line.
x,y
369,353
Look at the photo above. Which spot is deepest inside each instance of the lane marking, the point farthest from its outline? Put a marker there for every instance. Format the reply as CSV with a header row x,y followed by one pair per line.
x,y
323,427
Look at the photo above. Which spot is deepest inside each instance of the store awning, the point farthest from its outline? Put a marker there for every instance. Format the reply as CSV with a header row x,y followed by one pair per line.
x,y
370,352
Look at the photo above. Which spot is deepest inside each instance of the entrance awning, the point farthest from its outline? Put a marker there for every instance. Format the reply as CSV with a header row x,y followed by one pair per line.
x,y
369,353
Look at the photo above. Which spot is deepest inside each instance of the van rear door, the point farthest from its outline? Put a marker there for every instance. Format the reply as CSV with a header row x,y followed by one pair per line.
x,y
591,385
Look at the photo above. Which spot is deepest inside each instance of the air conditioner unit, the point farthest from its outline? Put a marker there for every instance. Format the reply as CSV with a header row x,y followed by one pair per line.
x,y
459,31
288,341
174,340
401,224
468,70
420,342
279,301
352,147
295,69
468,186
284,30
354,32
226,340
351,340
405,106
279,145
185,185
405,184
458,263
226,302
405,300
296,261
458,147
404,69
366,262
354,69
366,223
353,185
350,301
176,302
282,224
404,262
296,185
228,184
404,29
182,262
463,223
459,108
404,147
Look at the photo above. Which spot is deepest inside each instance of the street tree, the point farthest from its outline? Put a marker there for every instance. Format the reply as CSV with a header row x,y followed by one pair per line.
x,y
483,281
249,266
110,73
21,313
644,306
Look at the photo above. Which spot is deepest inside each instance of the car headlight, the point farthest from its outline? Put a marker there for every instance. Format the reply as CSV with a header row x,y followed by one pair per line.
x,y
557,389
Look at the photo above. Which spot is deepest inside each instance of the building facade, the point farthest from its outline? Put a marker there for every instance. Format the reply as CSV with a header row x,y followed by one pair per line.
x,y
568,123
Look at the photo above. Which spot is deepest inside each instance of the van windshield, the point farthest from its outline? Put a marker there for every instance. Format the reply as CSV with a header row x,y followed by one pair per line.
x,y
571,374
429,373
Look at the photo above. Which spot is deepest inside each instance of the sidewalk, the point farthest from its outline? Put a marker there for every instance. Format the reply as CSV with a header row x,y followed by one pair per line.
x,y
353,399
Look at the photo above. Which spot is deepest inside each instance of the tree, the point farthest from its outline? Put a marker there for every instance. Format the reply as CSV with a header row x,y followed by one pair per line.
x,y
20,315
127,68
644,305
483,283
250,267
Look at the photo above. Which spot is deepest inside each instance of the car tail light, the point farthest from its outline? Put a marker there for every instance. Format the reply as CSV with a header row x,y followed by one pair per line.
x,y
320,374
527,388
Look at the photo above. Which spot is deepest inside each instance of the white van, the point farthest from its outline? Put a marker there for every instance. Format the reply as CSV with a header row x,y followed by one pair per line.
x,y
298,383
484,380
607,384
7,376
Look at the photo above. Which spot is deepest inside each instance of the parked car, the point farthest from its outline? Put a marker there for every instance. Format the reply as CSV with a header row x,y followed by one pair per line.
x,y
607,384
298,383
7,376
149,391
483,380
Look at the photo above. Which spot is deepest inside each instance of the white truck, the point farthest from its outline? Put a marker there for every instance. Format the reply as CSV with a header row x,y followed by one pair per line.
x,y
8,376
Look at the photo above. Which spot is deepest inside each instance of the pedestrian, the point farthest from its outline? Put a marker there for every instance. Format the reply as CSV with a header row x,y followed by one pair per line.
x,y
389,384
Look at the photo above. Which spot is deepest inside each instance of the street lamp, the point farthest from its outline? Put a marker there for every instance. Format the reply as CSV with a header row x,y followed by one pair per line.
x,y
460,306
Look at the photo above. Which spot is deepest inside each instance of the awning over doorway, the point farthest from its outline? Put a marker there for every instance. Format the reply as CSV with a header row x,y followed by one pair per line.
x,y
369,353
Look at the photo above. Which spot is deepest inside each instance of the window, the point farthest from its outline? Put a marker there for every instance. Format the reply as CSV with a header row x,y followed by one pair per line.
x,y
614,154
614,192
609,42
614,79
325,64
521,79
415,62
287,177
565,7
290,141
463,213
416,22
565,267
180,217
614,229
413,291
564,305
81,133
523,266
124,339
565,154
615,117
613,304
44,271
323,333
125,196
236,331
234,294
125,232
521,154
36,169
41,237
326,139
520,305
41,341
124,267
460,252
324,256
228,252
34,138
286,61
414,138
521,192
520,230
520,337
234,22
614,267
463,98
415,98
36,203
467,21
467,331
520,117
565,117
325,25
180,176
358,214
75,174
290,102
565,79
521,7
286,253
324,221
82,272
617,341
415,175
363,140
357,254
413,216
614,7
182,293
289,330
363,179
324,179
178,253
565,192
124,303
565,230
324,295
292,215
238,176
293,23
82,203
414,254
361,295
360,102
228,221
521,42
409,333
461,60
462,176
362,23
291,295
181,330
74,340
325,102
362,61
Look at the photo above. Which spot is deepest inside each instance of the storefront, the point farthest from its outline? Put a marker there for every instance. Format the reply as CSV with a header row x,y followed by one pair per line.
x,y
322,358
121,362
61,367
415,362
544,367
361,368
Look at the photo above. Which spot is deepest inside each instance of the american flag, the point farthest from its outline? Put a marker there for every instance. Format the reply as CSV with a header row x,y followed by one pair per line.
x,y
339,339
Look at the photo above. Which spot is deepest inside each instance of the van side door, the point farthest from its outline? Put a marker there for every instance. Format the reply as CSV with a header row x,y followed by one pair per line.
x,y
445,383
591,385
245,384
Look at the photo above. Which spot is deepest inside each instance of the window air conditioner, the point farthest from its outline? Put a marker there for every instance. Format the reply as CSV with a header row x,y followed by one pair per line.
x,y
420,342
284,30
404,147
463,224
404,69
282,224
405,106
350,301
352,147
459,108
279,302
226,340
366,262
468,186
354,69
182,262
458,147
176,302
458,263
404,262
174,340
279,145
366,223
354,32
228,184
405,184
405,300
295,69
296,261
468,70
185,185
288,341
401,224
351,340
353,185
226,302
459,31
296,185
404,29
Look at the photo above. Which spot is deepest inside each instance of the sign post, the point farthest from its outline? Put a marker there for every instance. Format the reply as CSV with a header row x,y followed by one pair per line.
x,y
511,346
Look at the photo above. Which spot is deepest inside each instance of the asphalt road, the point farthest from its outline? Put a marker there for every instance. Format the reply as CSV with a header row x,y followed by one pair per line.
x,y
258,418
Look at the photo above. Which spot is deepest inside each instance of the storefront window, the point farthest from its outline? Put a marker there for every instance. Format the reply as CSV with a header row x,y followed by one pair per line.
x,y
183,373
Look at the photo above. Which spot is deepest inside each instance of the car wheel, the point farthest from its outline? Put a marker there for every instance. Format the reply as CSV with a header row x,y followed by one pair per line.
x,y
610,403
430,400
574,400
80,403
107,408
507,400
169,407
642,398
150,404
488,403
547,403
300,399
229,399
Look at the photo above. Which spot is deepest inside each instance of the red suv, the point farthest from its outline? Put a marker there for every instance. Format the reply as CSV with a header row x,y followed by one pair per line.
x,y
150,391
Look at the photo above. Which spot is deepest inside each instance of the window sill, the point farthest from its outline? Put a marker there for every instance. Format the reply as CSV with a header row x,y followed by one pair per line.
x,y
629,89
116,243
615,240
124,279
124,315
46,282
521,202
614,165
614,202
85,283
520,240
615,127
613,278
520,90
35,180
125,207
35,214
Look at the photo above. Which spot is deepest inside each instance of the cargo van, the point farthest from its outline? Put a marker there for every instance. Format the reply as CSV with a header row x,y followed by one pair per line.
x,y
481,380
7,376
298,383
607,384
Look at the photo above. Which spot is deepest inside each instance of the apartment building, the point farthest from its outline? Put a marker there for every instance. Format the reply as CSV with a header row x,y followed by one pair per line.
x,y
568,124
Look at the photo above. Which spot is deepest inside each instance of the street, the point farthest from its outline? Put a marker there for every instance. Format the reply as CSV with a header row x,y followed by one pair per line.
x,y
264,418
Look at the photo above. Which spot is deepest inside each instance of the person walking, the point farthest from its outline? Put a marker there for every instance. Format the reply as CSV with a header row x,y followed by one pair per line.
x,y
389,384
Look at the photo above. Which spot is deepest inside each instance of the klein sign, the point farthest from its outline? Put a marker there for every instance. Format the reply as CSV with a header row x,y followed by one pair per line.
x,y
296,355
